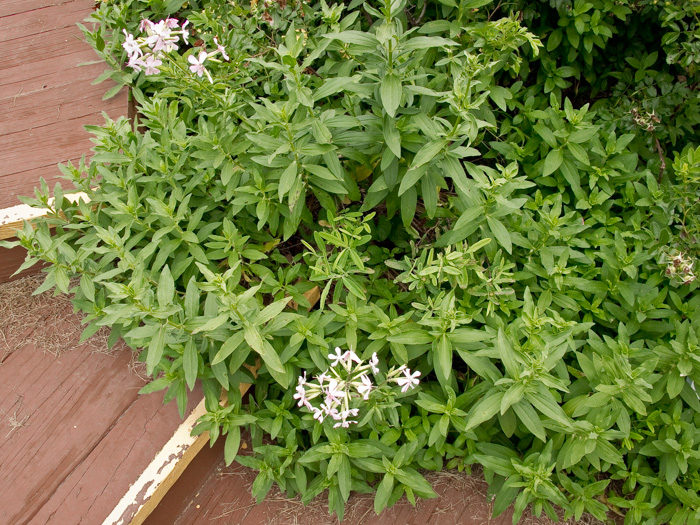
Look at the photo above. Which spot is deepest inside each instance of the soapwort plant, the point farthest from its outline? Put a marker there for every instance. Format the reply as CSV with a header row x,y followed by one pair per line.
x,y
500,195
346,384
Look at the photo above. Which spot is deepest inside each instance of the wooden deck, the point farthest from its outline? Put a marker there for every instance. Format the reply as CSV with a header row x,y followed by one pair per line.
x,y
74,432
45,96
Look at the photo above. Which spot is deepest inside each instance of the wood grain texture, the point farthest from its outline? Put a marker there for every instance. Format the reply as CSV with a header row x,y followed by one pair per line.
x,y
160,473
13,7
48,18
45,96
11,259
85,433
72,403
96,485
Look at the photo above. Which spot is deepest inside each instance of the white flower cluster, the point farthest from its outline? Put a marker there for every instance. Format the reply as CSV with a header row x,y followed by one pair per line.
x,y
345,383
163,37
680,267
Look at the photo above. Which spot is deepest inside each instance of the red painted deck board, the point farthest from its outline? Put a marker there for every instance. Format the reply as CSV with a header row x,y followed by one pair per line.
x,y
85,433
41,20
114,464
72,402
13,7
46,97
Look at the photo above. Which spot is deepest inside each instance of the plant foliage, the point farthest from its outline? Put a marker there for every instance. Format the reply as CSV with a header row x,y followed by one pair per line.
x,y
501,196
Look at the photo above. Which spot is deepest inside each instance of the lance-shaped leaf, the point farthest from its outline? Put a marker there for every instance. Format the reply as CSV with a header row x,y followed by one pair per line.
x,y
391,93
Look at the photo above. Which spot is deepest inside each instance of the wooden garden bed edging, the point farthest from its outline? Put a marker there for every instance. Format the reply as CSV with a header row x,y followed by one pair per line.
x,y
170,463
13,218
160,475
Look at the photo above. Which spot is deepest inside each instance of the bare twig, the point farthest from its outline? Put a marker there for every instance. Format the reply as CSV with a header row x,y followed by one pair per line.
x,y
494,10
411,19
367,17
662,168
14,420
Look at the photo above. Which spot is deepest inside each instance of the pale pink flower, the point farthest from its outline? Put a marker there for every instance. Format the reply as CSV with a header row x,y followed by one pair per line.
x,y
300,395
221,49
185,33
130,45
329,410
197,66
145,24
160,37
334,393
136,63
337,357
344,424
373,363
172,23
409,380
318,414
351,356
150,65
350,412
365,388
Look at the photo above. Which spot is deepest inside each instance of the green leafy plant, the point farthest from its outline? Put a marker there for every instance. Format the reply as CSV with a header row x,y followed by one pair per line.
x,y
502,197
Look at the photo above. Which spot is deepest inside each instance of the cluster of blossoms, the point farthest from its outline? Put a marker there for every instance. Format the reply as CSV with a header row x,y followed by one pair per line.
x,y
680,267
345,384
145,53
647,120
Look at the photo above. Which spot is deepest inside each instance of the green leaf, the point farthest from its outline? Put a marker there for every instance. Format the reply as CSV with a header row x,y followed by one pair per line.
x,y
511,396
427,42
212,324
530,419
409,201
546,134
583,135
410,179
469,216
390,91
392,137
166,287
384,490
354,37
487,407
443,359
271,311
230,346
499,95
190,362
192,298
287,179
233,442
268,353
155,350
500,233
332,86
411,478
320,171
579,153
411,337
112,158
428,152
552,162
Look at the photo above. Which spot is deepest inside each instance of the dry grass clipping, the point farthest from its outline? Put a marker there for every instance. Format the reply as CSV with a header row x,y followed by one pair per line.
x,y
43,320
